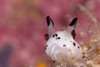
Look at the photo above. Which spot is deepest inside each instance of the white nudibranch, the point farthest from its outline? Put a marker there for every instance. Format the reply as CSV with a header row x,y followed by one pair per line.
x,y
61,46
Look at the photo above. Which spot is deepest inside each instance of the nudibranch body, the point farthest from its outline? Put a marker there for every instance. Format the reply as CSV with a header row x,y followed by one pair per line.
x,y
61,46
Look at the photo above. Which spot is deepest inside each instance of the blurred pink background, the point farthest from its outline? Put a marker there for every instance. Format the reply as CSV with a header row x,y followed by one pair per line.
x,y
23,26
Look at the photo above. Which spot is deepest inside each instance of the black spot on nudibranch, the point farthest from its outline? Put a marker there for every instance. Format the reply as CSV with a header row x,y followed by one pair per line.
x,y
46,46
64,45
83,53
53,61
78,47
74,44
85,60
58,38
83,57
55,35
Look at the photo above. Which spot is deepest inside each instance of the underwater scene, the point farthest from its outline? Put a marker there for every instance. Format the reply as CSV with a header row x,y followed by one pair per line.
x,y
49,33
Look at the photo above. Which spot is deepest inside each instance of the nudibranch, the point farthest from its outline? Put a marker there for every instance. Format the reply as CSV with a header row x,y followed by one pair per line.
x,y
61,46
